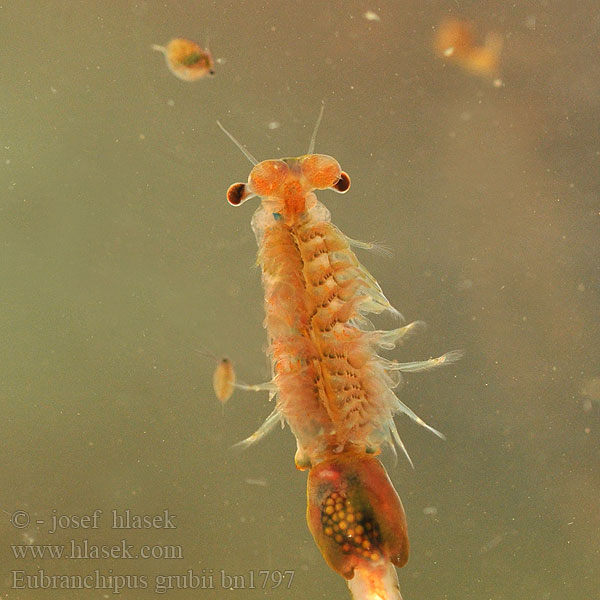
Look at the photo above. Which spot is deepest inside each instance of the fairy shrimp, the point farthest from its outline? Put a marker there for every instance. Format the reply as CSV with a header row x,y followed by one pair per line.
x,y
186,59
331,387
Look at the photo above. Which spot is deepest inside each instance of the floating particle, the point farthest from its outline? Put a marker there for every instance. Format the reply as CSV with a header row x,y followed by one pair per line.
x,y
590,390
530,22
465,284
259,482
371,16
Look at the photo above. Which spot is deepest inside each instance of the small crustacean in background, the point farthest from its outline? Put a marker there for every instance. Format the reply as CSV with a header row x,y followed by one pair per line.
x,y
455,41
187,60
224,380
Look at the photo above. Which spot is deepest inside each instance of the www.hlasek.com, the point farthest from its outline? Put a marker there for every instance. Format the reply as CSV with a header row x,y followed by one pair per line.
x,y
83,549
206,579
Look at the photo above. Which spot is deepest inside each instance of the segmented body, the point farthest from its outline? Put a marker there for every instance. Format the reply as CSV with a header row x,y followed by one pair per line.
x,y
332,390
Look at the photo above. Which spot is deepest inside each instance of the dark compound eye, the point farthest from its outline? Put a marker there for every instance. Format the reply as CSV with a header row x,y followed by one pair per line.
x,y
236,194
343,183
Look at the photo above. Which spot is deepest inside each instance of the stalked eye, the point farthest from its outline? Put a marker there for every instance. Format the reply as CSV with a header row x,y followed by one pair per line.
x,y
343,183
320,170
267,177
237,194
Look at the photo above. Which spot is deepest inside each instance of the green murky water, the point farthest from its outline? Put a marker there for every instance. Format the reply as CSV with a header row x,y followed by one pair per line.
x,y
120,257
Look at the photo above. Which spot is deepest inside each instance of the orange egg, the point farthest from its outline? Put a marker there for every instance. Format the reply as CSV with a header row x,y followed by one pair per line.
x,y
187,60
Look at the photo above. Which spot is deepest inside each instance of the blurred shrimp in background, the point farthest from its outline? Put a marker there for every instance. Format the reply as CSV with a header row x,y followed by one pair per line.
x,y
455,41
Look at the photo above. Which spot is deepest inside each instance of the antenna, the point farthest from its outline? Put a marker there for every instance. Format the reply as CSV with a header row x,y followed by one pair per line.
x,y
238,144
313,139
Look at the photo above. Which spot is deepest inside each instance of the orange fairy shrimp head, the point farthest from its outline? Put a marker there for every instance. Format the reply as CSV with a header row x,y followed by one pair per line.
x,y
187,60
455,40
286,185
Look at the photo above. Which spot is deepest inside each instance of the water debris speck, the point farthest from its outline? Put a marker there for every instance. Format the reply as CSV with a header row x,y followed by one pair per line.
x,y
371,15
260,482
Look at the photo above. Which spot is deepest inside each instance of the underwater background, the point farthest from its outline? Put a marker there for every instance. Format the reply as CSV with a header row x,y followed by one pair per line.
x,y
121,259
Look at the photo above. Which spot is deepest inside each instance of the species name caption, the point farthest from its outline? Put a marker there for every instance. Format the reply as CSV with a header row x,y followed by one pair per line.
x,y
41,576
